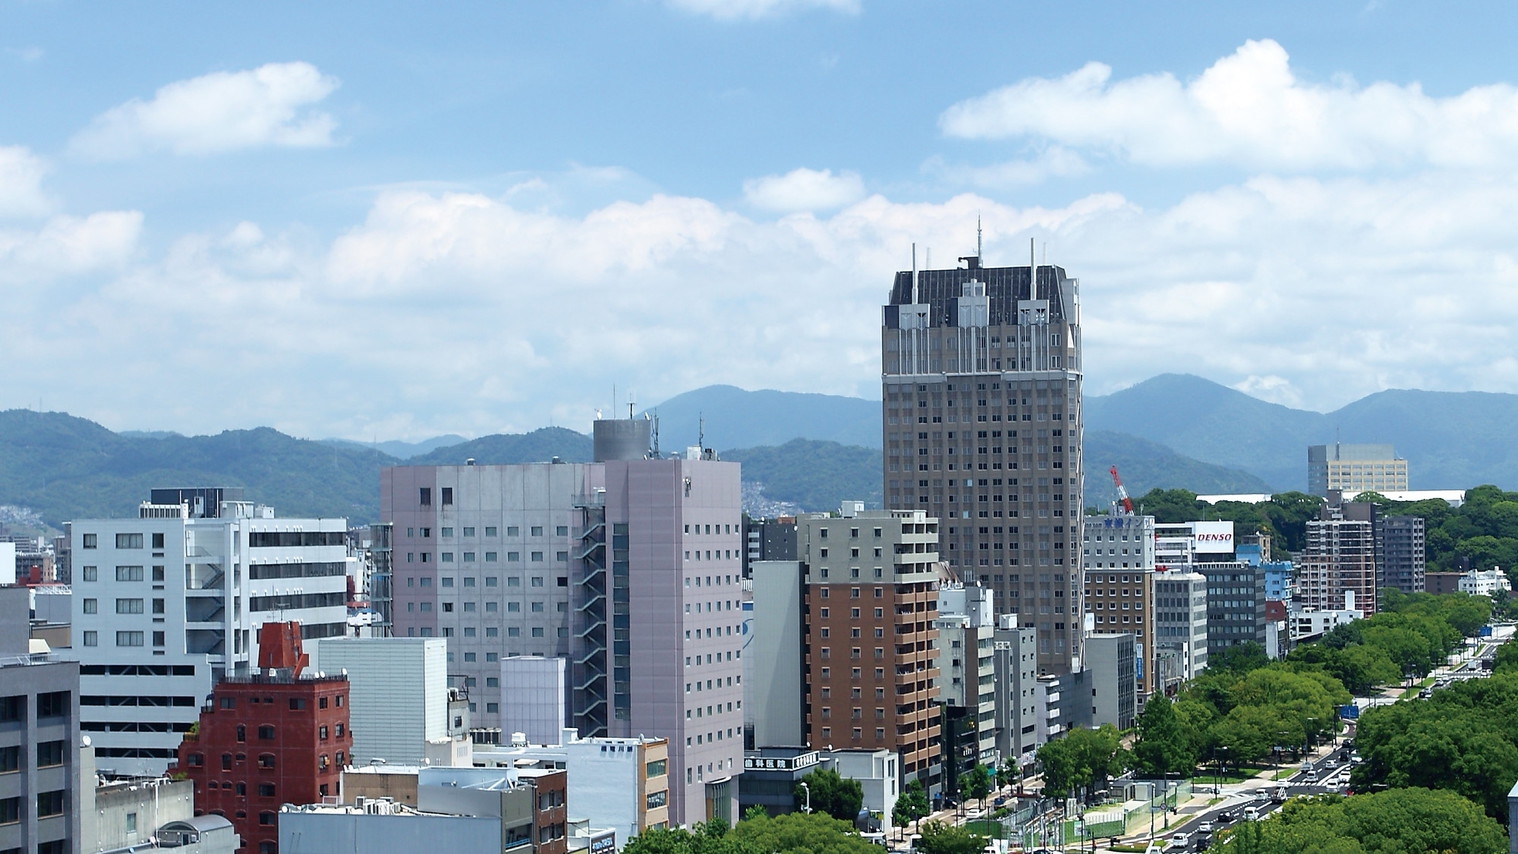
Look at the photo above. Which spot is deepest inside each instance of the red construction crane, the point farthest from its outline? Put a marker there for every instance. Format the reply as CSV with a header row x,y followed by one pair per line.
x,y
1122,493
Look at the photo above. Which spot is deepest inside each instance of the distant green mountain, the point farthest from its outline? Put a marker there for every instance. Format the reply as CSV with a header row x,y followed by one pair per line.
x,y
398,449
539,446
734,418
815,474
1451,440
1146,465
66,468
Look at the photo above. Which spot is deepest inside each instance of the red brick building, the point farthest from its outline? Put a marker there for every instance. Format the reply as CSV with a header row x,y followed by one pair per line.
x,y
278,736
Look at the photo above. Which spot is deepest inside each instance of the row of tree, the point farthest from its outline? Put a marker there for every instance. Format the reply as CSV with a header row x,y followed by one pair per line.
x,y
1398,821
793,833
1245,707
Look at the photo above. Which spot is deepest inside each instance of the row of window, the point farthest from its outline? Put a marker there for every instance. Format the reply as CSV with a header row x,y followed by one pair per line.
x,y
490,557
447,531
123,573
49,754
48,804
50,704
123,606
123,541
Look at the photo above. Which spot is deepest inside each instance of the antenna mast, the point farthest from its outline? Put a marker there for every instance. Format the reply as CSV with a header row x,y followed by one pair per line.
x,y
977,238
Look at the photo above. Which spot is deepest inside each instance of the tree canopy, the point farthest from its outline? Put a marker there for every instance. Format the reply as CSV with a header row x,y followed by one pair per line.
x,y
831,793
1084,759
1396,821
940,838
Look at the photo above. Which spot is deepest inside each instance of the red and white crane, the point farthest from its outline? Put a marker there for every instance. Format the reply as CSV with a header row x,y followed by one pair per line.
x,y
1122,494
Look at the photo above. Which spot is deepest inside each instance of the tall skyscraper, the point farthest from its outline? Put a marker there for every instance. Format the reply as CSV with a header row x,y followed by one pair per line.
x,y
981,375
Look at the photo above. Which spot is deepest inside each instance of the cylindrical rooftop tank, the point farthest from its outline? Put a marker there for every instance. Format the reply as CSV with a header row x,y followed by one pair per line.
x,y
622,439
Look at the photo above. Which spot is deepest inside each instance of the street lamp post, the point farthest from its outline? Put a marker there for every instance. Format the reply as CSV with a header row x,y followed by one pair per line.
x,y
806,792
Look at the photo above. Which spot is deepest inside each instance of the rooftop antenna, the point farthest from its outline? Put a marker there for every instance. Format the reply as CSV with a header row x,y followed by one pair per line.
x,y
914,274
629,406
1032,269
701,431
977,237
655,431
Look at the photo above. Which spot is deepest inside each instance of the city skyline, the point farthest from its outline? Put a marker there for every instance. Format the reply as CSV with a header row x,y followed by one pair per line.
x,y
405,225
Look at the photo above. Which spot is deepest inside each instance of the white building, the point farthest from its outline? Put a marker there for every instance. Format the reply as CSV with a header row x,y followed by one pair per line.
x,y
966,659
1306,625
166,603
1484,582
620,783
402,710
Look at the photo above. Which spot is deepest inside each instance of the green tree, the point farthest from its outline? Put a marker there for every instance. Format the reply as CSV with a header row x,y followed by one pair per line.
x,y
911,804
940,838
796,833
1082,759
1162,746
1397,821
709,837
1239,658
831,793
975,783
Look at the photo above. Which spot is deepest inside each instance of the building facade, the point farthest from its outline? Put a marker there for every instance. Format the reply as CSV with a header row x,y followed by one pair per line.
x,y
1017,698
279,736
1180,625
167,603
1337,569
1118,554
1402,558
981,388
39,739
629,567
402,710
1353,469
870,654
966,679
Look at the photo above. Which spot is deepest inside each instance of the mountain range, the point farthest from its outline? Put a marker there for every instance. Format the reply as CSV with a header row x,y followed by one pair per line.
x,y
810,449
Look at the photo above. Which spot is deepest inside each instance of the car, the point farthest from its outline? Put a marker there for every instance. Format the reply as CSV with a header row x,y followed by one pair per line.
x,y
1180,841
1224,816
1251,813
1309,776
1204,827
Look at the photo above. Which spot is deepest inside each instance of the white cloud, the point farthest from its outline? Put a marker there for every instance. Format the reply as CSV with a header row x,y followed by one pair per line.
x,y
68,246
271,105
30,53
21,192
748,10
1251,109
478,315
804,190
1053,162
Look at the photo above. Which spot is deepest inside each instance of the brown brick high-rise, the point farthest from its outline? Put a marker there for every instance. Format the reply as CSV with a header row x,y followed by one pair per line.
x,y
276,737
871,596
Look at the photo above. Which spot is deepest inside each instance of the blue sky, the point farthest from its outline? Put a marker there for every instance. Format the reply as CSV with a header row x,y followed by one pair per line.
x,y
391,221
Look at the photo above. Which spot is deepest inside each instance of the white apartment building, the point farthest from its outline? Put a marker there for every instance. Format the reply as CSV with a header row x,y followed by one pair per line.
x,y
166,603
1484,582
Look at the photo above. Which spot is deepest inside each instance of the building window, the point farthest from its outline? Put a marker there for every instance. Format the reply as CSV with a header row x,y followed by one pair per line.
x,y
50,753
129,638
424,496
265,733
91,573
128,541
90,541
447,495
128,573
129,606
51,803
91,638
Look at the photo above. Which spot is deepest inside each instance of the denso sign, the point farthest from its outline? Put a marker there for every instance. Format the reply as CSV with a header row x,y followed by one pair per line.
x,y
1213,537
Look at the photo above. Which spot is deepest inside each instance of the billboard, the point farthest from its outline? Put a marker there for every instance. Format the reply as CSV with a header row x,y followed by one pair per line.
x,y
1213,537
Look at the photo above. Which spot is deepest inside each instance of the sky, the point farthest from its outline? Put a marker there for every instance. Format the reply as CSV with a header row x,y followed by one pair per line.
x,y
392,221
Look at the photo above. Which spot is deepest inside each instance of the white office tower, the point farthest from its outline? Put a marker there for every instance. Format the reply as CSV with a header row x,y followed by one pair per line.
x,y
168,602
401,708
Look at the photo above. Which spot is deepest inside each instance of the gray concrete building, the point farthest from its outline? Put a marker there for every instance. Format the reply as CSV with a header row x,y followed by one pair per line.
x,y
774,713
967,677
630,567
1235,604
1017,694
39,739
1109,660
981,411
1402,558
1180,625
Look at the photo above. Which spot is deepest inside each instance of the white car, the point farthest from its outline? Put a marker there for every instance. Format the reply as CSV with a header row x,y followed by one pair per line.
x,y
1204,827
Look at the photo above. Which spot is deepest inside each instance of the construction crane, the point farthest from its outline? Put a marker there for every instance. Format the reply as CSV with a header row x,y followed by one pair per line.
x,y
1122,494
